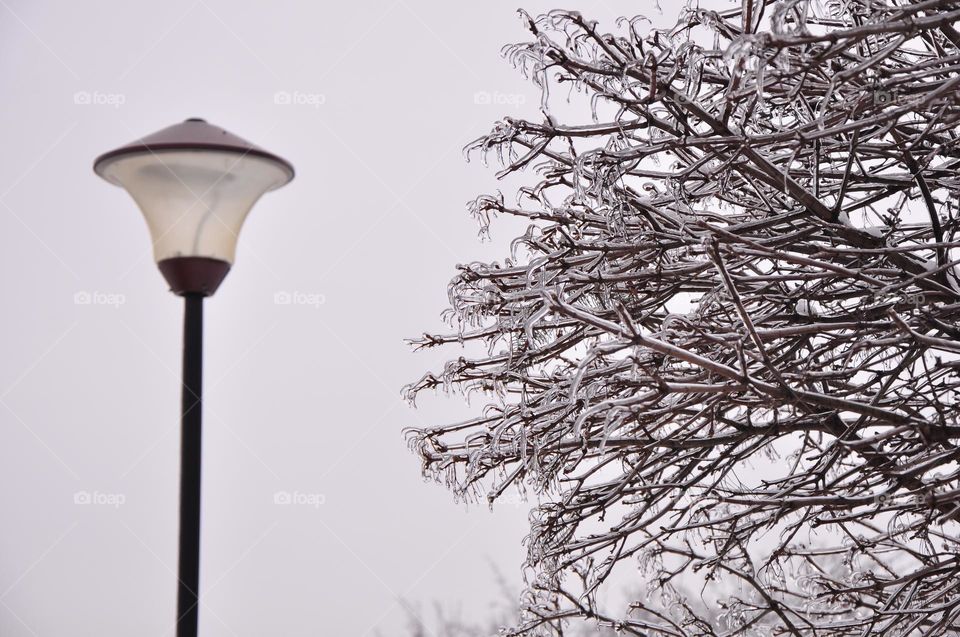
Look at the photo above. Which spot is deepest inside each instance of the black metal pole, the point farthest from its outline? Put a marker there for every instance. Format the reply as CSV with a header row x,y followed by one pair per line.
x,y
190,454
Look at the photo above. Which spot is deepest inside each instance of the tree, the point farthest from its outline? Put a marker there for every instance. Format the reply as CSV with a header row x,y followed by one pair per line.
x,y
725,350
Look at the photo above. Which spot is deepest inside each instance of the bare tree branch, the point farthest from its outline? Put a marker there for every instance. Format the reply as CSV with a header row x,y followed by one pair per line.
x,y
726,352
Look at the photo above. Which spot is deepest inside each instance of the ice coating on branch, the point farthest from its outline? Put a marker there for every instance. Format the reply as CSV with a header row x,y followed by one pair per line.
x,y
724,343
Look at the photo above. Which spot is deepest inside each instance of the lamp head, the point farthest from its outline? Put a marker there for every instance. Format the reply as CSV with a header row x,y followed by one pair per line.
x,y
195,184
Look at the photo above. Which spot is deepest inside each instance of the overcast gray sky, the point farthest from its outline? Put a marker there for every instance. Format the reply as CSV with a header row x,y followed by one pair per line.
x,y
372,102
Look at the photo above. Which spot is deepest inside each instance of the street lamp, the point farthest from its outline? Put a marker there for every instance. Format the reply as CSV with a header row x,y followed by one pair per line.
x,y
195,184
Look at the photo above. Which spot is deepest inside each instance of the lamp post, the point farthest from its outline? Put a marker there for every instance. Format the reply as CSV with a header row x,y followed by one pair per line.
x,y
195,184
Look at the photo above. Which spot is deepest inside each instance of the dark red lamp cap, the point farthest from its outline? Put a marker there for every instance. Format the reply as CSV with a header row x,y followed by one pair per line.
x,y
192,134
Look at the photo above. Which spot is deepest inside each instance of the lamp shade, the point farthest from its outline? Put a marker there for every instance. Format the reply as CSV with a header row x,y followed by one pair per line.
x,y
195,184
